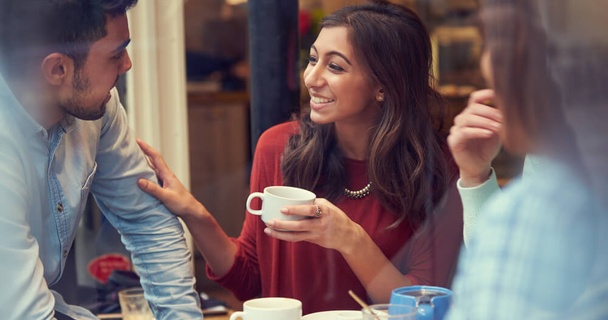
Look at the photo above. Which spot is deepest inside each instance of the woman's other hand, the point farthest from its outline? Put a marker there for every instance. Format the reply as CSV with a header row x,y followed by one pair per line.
x,y
172,193
330,228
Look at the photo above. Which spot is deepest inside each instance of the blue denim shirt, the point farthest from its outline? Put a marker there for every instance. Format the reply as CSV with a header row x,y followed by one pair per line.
x,y
45,178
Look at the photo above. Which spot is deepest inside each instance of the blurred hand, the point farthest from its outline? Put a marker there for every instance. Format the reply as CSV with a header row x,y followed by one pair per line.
x,y
332,230
474,138
172,194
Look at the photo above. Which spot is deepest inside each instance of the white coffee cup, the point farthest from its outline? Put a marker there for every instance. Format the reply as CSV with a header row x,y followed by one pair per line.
x,y
276,197
270,309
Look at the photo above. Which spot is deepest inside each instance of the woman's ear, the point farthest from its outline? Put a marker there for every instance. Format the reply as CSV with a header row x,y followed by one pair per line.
x,y
380,95
56,68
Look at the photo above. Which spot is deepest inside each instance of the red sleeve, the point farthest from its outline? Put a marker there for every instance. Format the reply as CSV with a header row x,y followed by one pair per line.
x,y
244,278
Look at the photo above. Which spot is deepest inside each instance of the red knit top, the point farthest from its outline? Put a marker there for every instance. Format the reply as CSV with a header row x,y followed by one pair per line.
x,y
320,277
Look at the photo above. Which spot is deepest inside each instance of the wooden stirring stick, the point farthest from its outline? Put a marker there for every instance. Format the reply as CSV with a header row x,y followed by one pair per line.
x,y
363,304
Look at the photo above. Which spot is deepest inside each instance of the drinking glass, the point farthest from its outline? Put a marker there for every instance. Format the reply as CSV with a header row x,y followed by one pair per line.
x,y
133,305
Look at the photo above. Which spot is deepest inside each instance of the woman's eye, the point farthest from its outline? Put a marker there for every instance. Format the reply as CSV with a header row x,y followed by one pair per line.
x,y
335,67
312,59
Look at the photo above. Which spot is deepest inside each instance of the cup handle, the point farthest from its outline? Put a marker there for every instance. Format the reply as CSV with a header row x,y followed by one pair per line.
x,y
425,310
251,197
238,314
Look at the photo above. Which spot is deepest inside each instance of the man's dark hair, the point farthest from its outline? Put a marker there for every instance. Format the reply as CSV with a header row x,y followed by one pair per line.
x,y
32,29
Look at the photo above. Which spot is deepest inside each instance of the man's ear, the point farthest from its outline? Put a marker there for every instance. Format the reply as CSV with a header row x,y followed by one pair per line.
x,y
56,68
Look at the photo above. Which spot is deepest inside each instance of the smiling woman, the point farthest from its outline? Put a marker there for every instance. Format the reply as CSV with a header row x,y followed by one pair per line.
x,y
350,99
377,72
369,121
340,90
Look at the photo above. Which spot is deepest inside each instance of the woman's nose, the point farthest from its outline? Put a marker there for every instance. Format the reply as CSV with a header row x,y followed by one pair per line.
x,y
313,76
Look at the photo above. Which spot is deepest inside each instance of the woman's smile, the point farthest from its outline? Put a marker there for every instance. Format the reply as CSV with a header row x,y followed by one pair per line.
x,y
317,102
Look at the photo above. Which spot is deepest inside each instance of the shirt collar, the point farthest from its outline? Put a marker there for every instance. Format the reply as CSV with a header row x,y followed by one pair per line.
x,y
68,123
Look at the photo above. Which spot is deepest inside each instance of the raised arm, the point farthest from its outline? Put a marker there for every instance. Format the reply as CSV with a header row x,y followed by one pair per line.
x,y
474,138
213,243
474,142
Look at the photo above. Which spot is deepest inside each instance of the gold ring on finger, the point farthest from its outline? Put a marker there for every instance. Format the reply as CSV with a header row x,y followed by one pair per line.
x,y
318,213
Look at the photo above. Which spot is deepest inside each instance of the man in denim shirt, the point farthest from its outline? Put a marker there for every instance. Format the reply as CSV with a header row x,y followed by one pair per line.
x,y
63,134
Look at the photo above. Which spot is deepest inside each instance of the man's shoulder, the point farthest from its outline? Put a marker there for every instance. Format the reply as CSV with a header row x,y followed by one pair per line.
x,y
9,129
14,157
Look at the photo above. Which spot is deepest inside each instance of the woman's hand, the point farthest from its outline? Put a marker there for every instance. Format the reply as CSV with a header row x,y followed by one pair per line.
x,y
217,249
172,194
331,229
474,138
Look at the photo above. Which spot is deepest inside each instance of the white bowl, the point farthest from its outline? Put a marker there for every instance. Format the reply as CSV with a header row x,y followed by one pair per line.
x,y
334,315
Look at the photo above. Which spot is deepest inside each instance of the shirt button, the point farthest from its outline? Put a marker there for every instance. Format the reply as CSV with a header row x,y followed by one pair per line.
x,y
65,253
60,207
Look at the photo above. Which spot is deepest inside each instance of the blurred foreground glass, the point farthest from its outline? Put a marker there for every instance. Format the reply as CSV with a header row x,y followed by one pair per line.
x,y
389,312
133,305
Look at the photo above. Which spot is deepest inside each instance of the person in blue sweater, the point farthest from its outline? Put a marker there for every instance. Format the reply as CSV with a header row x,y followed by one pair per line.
x,y
537,248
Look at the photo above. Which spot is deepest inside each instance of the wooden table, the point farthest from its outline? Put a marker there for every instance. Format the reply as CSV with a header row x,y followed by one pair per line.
x,y
218,317
118,316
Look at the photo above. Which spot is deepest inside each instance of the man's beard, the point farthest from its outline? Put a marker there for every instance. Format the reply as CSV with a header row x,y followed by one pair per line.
x,y
76,105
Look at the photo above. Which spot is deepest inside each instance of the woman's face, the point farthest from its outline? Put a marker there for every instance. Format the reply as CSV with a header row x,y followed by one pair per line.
x,y
486,68
512,136
497,20
340,89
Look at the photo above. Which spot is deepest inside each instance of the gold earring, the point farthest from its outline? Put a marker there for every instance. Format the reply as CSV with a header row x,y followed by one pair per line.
x,y
380,98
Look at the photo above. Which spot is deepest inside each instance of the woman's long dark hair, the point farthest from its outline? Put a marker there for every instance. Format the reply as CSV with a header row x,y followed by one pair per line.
x,y
406,154
529,96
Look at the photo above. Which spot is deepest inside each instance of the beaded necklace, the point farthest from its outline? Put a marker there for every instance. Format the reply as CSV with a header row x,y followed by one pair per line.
x,y
359,193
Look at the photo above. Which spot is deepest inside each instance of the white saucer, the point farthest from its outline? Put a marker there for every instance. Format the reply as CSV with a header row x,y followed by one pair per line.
x,y
333,315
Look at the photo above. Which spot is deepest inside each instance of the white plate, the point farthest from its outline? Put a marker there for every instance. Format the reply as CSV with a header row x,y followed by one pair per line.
x,y
333,315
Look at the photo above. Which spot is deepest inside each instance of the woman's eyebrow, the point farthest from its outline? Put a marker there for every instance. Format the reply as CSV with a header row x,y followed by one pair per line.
x,y
334,53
